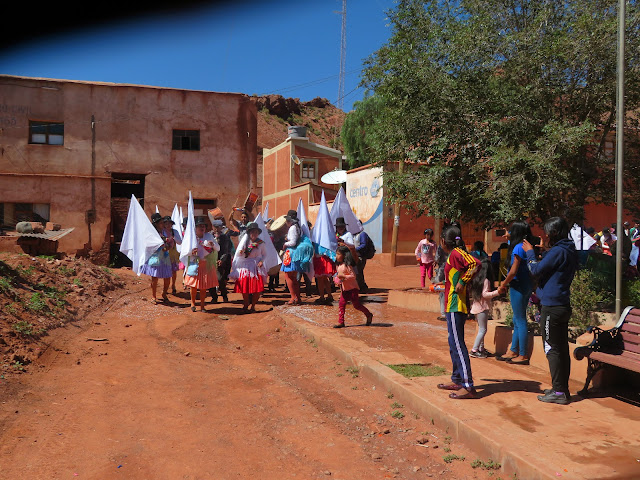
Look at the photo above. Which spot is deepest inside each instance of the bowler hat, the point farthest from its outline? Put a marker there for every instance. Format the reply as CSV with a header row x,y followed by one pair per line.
x,y
168,219
217,223
156,217
292,216
253,226
340,222
201,221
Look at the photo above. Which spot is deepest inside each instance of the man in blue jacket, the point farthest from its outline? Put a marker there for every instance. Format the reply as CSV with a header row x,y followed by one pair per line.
x,y
554,274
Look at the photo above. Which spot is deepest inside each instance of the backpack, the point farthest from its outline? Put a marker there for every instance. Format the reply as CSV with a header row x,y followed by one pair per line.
x,y
369,250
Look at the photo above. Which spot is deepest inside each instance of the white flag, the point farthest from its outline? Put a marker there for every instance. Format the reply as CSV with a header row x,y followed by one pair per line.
x,y
140,238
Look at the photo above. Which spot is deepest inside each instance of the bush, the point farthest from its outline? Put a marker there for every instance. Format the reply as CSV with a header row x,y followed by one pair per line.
x,y
586,297
631,293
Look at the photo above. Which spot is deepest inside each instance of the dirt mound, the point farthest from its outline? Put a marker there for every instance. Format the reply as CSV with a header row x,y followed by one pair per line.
x,y
38,294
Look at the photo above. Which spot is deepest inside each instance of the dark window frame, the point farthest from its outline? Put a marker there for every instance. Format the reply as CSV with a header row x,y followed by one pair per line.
x,y
48,129
188,140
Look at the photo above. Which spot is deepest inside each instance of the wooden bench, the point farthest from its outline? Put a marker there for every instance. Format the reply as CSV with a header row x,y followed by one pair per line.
x,y
618,346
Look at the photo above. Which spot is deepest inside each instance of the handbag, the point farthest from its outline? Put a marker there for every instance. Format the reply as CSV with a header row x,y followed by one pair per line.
x,y
154,260
192,269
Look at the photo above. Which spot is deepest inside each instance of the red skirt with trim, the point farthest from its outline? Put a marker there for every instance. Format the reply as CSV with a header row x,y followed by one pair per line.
x,y
323,266
249,284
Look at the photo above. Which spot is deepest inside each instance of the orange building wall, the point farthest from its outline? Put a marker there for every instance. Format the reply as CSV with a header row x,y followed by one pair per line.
x,y
133,134
269,175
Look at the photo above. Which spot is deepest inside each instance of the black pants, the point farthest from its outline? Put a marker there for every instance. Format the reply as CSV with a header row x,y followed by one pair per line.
x,y
555,334
362,285
223,277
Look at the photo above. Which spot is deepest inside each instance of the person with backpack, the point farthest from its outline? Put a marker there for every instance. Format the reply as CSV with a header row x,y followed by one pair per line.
x,y
365,250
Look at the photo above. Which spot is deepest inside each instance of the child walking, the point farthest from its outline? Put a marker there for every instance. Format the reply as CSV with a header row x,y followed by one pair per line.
x,y
426,255
481,294
346,278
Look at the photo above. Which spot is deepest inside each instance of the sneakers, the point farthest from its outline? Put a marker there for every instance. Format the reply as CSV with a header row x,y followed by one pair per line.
x,y
478,354
554,397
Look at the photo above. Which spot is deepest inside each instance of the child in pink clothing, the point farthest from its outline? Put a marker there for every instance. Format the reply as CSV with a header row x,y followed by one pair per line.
x,y
346,278
482,293
426,255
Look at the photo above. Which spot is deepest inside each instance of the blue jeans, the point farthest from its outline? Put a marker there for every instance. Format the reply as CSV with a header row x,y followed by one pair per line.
x,y
519,302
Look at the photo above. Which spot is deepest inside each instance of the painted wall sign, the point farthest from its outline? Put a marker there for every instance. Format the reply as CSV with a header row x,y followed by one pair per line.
x,y
364,190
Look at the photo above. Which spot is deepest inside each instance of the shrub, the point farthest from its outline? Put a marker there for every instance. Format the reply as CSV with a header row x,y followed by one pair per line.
x,y
586,298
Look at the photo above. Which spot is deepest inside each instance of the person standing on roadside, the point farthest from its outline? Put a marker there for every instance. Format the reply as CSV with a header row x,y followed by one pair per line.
x,y
520,287
426,255
459,271
554,274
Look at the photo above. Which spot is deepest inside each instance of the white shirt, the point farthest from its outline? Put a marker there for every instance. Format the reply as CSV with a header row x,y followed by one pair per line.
x,y
292,236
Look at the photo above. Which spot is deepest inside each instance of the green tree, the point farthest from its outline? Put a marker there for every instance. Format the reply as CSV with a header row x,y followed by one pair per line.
x,y
502,106
358,130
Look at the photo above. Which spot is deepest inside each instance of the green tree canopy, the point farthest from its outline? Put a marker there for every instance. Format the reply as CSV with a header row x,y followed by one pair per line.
x,y
502,106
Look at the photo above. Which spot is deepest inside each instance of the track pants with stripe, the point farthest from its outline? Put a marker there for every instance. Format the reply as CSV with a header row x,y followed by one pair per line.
x,y
458,349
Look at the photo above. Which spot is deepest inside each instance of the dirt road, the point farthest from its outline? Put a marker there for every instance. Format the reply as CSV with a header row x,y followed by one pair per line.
x,y
146,391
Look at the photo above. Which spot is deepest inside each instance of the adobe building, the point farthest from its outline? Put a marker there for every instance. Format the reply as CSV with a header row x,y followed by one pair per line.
x,y
74,152
293,170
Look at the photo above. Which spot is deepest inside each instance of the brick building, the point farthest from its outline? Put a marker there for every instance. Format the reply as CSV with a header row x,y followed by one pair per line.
x,y
293,171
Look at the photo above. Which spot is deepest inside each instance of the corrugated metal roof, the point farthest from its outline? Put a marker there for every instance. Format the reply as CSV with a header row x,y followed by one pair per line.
x,y
52,235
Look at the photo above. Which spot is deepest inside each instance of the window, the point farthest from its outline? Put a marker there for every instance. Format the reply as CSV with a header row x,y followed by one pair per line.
x,y
46,133
309,169
186,139
13,213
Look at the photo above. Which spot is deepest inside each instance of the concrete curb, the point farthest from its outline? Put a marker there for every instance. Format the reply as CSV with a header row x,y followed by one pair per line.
x,y
411,394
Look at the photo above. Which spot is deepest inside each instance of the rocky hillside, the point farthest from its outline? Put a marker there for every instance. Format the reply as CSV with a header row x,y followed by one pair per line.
x,y
275,113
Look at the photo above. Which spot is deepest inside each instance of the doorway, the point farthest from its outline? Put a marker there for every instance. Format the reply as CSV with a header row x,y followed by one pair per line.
x,y
123,185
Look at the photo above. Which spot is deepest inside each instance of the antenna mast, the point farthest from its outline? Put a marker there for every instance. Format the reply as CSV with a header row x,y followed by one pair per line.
x,y
343,55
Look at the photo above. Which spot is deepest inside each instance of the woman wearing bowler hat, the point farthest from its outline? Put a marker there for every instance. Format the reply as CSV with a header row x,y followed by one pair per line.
x,y
173,239
290,265
159,263
201,274
248,266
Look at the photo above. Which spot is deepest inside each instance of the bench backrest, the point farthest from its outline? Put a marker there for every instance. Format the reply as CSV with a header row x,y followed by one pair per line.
x,y
629,326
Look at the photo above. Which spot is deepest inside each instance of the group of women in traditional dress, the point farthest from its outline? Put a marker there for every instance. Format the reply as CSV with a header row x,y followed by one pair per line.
x,y
304,252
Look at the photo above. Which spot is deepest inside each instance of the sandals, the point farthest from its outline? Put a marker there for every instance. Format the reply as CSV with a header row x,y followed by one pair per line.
x,y
193,309
470,394
369,319
449,386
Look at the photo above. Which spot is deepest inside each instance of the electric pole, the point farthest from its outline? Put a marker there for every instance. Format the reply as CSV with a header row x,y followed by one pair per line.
x,y
343,55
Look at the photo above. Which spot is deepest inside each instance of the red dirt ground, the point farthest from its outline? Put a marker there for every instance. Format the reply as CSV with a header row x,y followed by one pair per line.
x,y
139,391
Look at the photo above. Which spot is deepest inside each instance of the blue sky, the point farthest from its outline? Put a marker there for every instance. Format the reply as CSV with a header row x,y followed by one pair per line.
x,y
281,47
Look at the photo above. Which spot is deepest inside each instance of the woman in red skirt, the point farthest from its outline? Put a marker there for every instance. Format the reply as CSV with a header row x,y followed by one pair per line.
x,y
248,267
